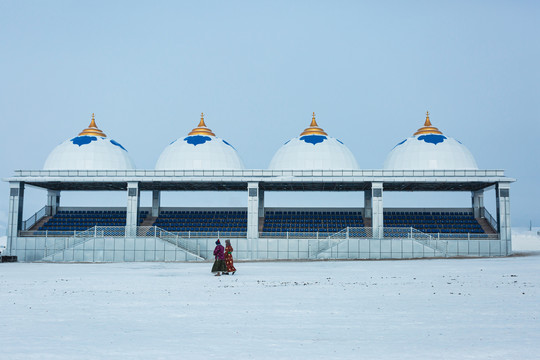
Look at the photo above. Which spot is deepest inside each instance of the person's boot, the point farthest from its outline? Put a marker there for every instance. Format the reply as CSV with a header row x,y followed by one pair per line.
x,y
218,274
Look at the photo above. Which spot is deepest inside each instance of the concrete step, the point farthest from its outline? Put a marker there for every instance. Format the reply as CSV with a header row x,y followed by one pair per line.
x,y
40,223
149,221
486,226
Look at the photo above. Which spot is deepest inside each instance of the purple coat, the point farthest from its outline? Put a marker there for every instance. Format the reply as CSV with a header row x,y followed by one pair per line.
x,y
219,252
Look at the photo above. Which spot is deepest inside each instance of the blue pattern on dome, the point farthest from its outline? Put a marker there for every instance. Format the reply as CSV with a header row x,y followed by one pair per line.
x,y
432,138
459,141
339,141
313,139
197,139
118,144
399,144
288,141
83,140
173,142
228,144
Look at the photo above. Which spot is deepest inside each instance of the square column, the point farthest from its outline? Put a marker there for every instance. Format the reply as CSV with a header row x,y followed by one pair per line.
x,y
132,208
502,191
261,204
156,202
477,198
377,220
253,216
253,210
367,204
15,214
53,202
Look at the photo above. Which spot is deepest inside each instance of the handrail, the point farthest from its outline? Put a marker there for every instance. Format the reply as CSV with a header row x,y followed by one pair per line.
x,y
490,219
119,231
428,240
354,233
368,233
32,220
258,173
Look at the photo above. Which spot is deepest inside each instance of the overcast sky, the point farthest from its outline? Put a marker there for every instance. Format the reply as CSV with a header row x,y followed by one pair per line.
x,y
369,70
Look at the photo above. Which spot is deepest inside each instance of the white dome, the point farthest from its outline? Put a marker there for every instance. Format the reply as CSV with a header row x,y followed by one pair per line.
x,y
200,150
313,150
90,150
429,149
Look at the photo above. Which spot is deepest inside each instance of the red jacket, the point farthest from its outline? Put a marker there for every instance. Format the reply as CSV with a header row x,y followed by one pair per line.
x,y
219,252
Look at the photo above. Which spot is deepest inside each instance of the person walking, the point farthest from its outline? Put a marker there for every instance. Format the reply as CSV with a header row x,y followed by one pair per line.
x,y
228,258
219,263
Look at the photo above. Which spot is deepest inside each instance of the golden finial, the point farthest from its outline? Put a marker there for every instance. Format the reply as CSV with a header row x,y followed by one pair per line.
x,y
427,123
313,128
201,129
313,122
201,123
92,129
427,128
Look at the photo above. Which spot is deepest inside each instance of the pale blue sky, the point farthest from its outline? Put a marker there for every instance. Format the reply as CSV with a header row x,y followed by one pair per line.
x,y
369,70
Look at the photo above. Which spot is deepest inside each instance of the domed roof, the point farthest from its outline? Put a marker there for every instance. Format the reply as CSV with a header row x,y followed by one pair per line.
x,y
90,150
200,150
313,150
429,149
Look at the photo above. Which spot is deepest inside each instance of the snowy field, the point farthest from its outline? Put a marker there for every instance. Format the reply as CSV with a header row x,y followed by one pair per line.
x,y
408,309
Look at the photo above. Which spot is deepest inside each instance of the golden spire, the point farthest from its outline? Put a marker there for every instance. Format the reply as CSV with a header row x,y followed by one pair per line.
x,y
427,128
201,129
92,129
313,128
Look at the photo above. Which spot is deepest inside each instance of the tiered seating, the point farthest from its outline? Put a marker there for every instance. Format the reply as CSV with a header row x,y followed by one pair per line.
x,y
80,220
434,222
202,221
311,221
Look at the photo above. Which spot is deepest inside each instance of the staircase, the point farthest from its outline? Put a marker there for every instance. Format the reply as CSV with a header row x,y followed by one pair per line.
x,y
486,226
40,223
261,224
179,242
367,222
96,232
329,242
439,247
148,221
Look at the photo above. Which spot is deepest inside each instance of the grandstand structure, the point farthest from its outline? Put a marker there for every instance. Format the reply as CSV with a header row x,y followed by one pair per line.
x,y
314,161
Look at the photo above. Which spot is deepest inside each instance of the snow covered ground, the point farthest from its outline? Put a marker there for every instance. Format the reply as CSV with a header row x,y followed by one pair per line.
x,y
525,240
408,309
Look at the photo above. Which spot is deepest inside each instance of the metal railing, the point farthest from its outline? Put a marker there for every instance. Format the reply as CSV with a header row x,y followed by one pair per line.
x,y
491,220
257,173
150,243
354,232
81,237
32,220
59,246
142,231
347,234
368,233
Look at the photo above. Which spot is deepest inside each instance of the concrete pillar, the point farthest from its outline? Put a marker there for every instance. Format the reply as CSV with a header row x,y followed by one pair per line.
x,y
15,215
132,208
261,204
377,220
53,202
367,204
502,193
156,202
478,203
253,216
